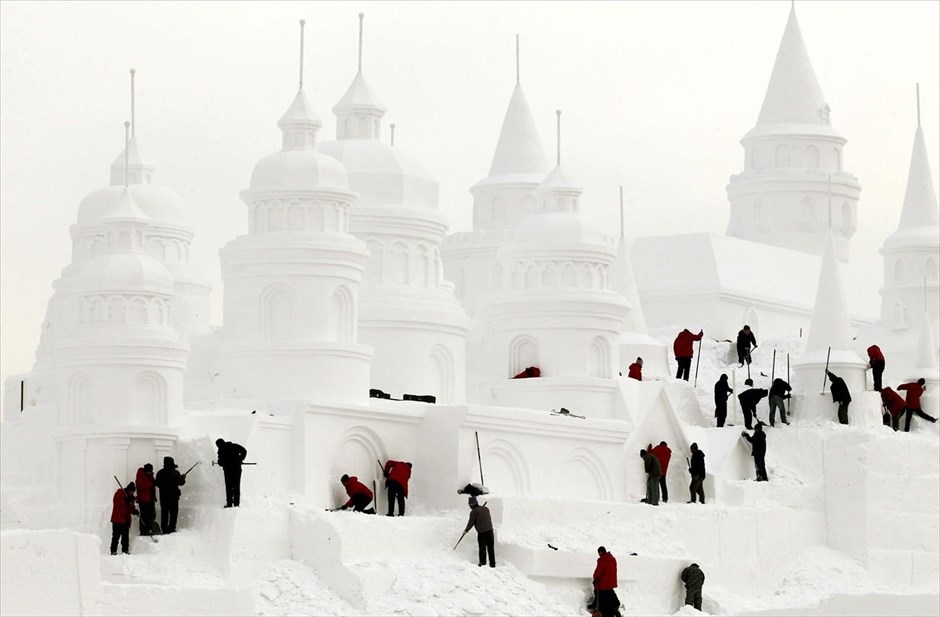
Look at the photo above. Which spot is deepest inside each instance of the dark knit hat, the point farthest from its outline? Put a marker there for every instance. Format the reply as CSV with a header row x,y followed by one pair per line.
x,y
168,463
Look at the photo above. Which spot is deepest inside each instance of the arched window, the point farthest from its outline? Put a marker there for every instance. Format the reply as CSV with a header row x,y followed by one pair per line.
x,y
836,159
441,366
117,310
900,314
569,277
551,278
374,272
80,405
277,313
295,216
399,264
523,353
277,218
782,156
138,311
532,278
807,214
812,157
931,270
341,319
848,225
899,271
149,406
599,358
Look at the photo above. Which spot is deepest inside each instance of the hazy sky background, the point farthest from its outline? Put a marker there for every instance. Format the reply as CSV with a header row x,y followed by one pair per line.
x,y
655,96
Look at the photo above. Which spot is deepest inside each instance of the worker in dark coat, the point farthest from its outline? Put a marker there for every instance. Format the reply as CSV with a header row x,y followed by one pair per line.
x,y
876,360
682,347
397,474
722,392
231,457
694,578
779,391
758,450
914,390
697,471
606,601
146,499
744,344
122,507
663,454
635,370
169,480
749,400
359,495
840,395
481,519
653,473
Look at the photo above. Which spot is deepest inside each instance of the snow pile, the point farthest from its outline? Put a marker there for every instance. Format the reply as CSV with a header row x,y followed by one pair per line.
x,y
291,588
819,572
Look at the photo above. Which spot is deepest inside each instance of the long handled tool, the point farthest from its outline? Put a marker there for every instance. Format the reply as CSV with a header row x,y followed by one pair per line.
x,y
479,458
120,486
191,468
698,358
459,541
788,381
826,375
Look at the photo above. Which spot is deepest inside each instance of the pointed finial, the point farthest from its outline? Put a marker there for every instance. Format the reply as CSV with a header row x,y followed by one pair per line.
x,y
133,120
792,5
127,147
621,211
558,137
361,17
918,105
393,133
302,23
517,58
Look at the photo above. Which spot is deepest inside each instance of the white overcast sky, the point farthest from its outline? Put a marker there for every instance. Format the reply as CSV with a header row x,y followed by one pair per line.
x,y
655,96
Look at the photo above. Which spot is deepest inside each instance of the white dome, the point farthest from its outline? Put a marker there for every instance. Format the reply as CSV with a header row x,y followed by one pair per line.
x,y
384,175
124,273
159,203
299,169
561,228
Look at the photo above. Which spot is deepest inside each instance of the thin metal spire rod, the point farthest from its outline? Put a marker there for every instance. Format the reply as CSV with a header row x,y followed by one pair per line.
x,y
621,211
829,192
133,118
302,23
558,137
127,147
361,17
918,105
393,133
517,58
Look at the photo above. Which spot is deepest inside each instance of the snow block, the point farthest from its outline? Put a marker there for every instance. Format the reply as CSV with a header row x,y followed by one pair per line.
x,y
156,600
50,572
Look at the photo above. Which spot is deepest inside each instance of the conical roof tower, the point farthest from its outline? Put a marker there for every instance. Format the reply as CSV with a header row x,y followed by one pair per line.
x,y
793,181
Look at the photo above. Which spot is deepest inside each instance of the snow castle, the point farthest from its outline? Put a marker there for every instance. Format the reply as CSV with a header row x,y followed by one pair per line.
x,y
346,281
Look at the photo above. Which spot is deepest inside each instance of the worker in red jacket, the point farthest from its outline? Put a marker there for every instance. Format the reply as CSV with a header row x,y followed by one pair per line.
x,y
606,603
397,474
683,350
359,495
147,499
894,405
662,454
915,389
121,510
876,360
635,370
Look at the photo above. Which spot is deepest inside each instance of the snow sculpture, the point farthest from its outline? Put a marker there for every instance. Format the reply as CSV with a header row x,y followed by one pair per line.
x,y
292,282
407,311
793,163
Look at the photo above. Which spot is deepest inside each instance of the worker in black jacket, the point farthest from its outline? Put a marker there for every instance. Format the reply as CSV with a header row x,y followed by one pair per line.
x,y
722,392
749,400
744,344
758,450
231,457
697,471
779,391
840,395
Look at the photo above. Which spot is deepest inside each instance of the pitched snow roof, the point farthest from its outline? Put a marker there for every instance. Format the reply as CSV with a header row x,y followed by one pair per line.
x,y
920,200
793,94
125,208
300,113
925,358
359,96
135,164
830,324
558,180
519,149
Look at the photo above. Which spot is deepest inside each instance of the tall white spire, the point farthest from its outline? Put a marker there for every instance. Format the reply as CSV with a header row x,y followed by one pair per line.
x,y
920,200
830,325
129,166
359,112
793,94
926,356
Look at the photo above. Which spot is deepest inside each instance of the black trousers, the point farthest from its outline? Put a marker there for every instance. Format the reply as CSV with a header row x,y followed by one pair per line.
x,y
877,370
693,597
910,413
148,514
395,493
697,489
607,602
360,502
749,413
721,412
684,365
662,488
759,466
233,482
652,490
122,531
486,542
776,402
843,413
744,355
169,510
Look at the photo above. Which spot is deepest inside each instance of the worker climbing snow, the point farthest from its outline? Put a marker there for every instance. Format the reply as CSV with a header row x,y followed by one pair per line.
x,y
914,390
682,347
745,343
